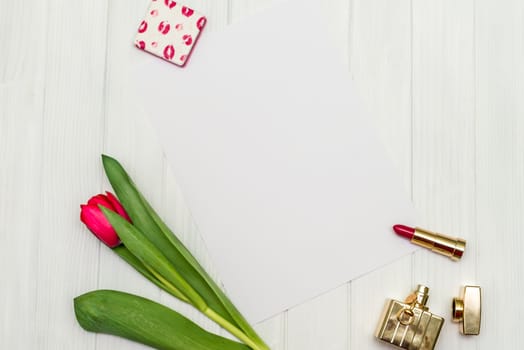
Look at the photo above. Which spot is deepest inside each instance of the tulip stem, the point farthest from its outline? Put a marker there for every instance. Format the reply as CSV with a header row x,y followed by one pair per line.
x,y
209,313
233,330
168,286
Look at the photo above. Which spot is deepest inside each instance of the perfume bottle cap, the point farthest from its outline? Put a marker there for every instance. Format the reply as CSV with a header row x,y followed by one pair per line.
x,y
422,295
419,297
467,310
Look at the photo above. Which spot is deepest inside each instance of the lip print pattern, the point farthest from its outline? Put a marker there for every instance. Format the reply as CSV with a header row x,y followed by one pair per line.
x,y
201,23
141,45
143,27
170,30
164,27
186,11
169,52
170,3
188,40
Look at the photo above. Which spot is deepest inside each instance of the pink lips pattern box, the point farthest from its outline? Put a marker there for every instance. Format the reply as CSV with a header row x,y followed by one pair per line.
x,y
170,31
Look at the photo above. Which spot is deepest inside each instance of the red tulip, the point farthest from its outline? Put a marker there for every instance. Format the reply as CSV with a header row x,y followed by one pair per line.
x,y
91,215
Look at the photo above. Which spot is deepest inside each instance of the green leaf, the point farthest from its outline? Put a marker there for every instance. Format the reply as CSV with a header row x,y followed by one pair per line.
x,y
144,321
132,260
147,220
152,258
239,320
130,198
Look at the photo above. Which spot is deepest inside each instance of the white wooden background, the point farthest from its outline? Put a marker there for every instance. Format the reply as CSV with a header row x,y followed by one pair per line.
x,y
443,81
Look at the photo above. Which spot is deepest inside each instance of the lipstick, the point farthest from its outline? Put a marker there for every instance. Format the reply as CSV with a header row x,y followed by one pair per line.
x,y
451,247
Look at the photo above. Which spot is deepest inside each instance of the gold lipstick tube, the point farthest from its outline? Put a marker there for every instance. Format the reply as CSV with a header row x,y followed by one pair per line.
x,y
439,243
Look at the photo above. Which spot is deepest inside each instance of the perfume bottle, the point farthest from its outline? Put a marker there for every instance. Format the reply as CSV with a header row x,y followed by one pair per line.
x,y
409,324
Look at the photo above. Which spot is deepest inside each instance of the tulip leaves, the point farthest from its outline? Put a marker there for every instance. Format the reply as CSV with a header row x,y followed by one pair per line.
x,y
152,258
145,321
173,249
132,260
161,257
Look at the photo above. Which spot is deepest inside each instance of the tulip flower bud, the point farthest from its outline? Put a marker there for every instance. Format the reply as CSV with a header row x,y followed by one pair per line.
x,y
91,215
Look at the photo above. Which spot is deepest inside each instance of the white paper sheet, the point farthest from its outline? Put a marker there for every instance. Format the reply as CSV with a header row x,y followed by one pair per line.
x,y
287,182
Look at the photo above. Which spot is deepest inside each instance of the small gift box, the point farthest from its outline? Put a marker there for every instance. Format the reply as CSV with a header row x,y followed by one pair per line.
x,y
170,31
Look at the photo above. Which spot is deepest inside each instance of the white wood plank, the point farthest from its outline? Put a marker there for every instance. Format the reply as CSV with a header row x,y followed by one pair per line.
x,y
20,142
22,39
273,331
499,48
21,104
71,144
444,149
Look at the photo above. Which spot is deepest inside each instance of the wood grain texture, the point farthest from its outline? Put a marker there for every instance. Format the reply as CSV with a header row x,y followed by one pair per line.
x,y
21,124
20,116
71,142
22,53
499,69
444,149
442,81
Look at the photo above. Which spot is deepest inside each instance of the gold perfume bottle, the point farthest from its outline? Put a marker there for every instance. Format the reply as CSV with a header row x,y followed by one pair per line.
x,y
409,324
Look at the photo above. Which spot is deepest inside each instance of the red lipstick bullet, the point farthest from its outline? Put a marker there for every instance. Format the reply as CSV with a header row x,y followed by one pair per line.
x,y
436,242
